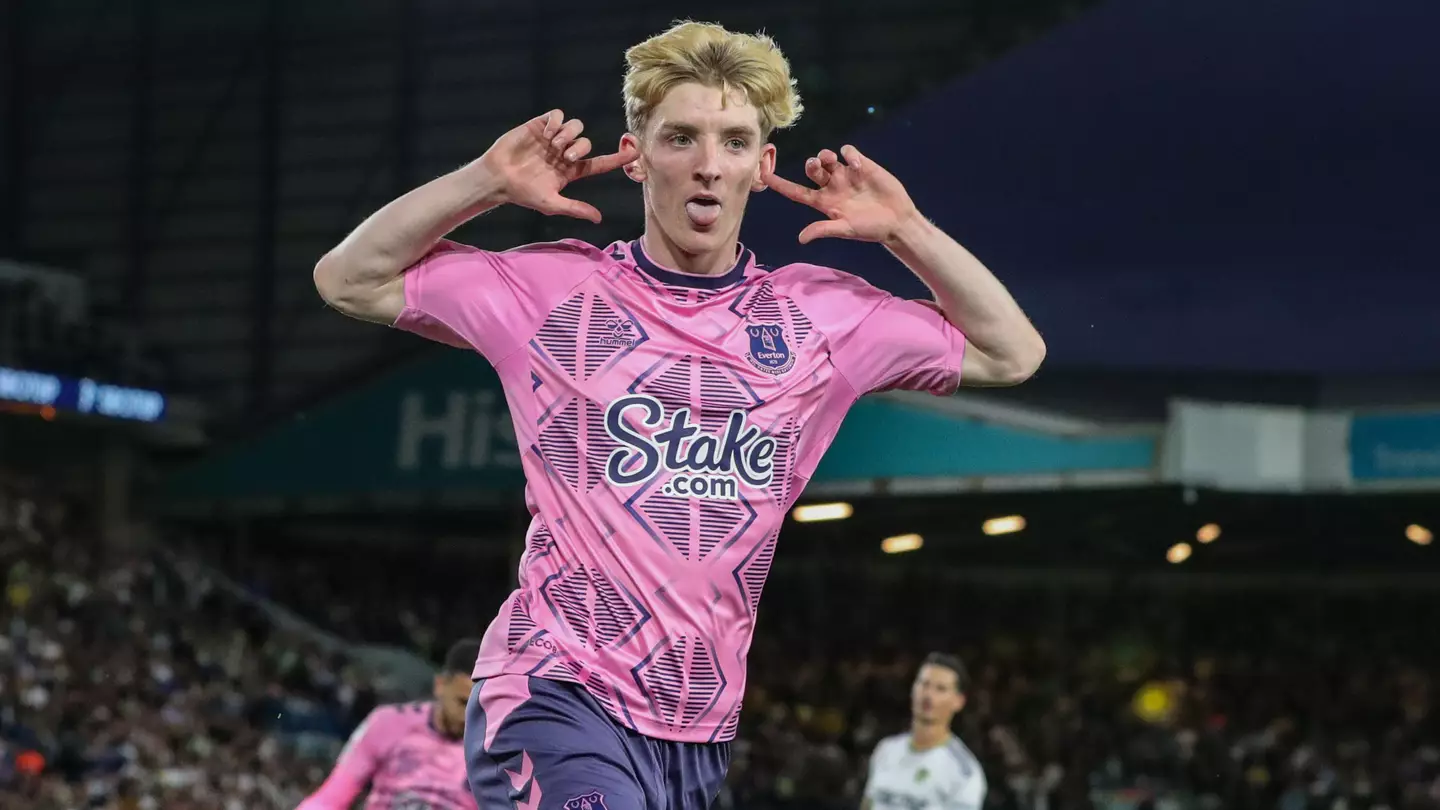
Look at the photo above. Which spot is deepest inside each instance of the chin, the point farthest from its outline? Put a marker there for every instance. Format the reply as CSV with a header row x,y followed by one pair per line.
x,y
685,236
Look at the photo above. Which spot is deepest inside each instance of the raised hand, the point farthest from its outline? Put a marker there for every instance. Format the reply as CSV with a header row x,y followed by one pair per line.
x,y
536,160
862,200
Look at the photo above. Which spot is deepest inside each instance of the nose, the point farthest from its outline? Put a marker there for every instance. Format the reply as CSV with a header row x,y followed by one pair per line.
x,y
707,162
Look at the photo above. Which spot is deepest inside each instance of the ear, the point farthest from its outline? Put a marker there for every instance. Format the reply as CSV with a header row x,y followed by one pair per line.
x,y
635,169
764,167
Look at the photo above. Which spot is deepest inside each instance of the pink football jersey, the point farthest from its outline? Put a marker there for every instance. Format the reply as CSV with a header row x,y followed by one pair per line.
x,y
404,760
667,422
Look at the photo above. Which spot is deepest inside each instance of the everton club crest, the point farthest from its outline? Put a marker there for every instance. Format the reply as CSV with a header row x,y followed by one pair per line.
x,y
768,351
590,801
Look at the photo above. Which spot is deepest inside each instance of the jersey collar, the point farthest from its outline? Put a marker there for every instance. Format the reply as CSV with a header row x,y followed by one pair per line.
x,y
744,260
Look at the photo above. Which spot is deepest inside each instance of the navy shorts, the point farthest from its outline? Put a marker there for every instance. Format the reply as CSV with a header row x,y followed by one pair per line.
x,y
535,744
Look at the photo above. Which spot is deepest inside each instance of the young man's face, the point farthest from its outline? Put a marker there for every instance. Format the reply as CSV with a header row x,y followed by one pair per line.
x,y
452,694
699,162
935,696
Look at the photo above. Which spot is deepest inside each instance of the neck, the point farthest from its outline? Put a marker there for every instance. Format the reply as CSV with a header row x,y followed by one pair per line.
x,y
435,721
924,736
664,252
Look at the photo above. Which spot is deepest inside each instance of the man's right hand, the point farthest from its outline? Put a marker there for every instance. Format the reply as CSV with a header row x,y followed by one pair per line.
x,y
529,166
533,163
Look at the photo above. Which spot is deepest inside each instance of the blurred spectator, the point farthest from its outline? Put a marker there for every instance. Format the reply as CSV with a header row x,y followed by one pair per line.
x,y
125,687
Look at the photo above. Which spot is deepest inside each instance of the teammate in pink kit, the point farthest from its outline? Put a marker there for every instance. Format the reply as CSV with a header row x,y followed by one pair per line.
x,y
410,755
671,396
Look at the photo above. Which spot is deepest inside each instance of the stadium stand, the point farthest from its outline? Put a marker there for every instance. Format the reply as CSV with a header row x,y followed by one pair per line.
x,y
127,685
1206,690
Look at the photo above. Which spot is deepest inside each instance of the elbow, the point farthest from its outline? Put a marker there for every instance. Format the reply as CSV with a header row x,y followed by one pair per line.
x,y
334,282
329,277
1033,359
1021,364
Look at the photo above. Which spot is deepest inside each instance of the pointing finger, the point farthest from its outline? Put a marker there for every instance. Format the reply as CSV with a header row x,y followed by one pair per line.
x,y
608,163
790,190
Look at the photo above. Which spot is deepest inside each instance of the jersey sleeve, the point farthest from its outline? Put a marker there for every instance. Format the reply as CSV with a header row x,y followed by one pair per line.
x,y
883,343
358,762
492,302
972,794
874,767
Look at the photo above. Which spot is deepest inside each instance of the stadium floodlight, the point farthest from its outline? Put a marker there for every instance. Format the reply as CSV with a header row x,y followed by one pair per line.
x,y
1419,535
1003,525
901,543
814,512
1178,553
1208,533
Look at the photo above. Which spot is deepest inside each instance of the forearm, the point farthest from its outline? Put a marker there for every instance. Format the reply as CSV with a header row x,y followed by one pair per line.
x,y
392,239
971,297
338,793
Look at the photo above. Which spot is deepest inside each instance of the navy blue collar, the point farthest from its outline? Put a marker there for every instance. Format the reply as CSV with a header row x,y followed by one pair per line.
x,y
672,278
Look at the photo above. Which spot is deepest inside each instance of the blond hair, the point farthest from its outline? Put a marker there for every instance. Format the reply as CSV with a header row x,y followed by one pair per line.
x,y
712,56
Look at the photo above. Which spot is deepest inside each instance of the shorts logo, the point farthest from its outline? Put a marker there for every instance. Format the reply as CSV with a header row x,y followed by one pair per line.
x,y
768,351
590,801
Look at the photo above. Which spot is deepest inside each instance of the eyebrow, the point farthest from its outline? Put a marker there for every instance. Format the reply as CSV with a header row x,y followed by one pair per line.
x,y
676,128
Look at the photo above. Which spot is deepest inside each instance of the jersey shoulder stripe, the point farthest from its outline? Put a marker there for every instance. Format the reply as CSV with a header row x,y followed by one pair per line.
x,y
969,765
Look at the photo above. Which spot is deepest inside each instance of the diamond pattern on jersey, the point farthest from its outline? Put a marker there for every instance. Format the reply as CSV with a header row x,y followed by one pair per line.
x,y
681,679
538,547
521,625
671,386
610,334
785,434
585,336
601,445
721,393
559,334
592,608
558,441
751,572
730,726
600,690
673,521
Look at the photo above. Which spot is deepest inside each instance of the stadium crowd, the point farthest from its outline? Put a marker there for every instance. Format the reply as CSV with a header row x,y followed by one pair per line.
x,y
1117,695
127,685
130,685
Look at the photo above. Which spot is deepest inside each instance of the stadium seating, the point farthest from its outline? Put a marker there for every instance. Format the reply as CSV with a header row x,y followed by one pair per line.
x,y
126,686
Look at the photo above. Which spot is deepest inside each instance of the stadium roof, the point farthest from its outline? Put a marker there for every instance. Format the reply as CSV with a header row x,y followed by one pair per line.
x,y
1217,185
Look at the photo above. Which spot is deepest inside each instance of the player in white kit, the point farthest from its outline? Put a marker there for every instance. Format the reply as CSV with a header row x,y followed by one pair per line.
x,y
928,768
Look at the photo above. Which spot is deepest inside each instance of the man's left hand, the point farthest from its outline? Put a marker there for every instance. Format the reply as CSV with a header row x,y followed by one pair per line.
x,y
862,200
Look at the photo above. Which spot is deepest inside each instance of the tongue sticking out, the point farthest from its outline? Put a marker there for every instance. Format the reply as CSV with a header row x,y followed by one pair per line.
x,y
702,212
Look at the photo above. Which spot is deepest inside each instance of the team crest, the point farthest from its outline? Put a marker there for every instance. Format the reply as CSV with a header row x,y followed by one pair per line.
x,y
590,801
922,774
768,351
